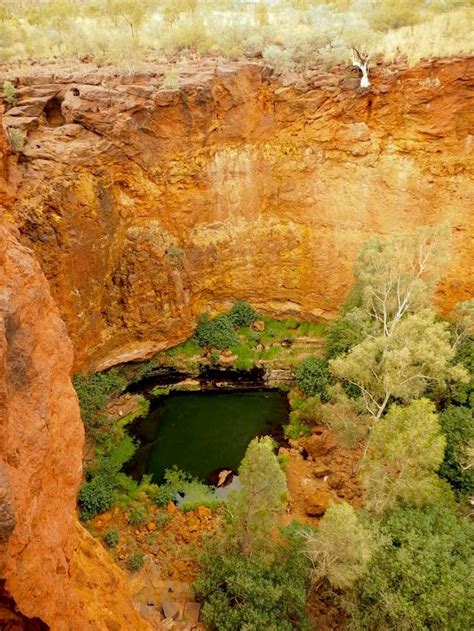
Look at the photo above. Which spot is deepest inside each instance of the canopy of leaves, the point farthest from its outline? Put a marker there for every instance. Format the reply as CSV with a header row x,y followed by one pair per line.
x,y
254,592
421,578
406,449
242,314
341,547
312,377
457,424
261,498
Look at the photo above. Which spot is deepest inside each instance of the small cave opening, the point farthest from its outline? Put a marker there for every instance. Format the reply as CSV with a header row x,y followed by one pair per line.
x,y
53,112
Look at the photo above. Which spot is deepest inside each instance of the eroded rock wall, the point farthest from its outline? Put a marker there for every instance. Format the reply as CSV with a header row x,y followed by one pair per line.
x,y
50,568
146,206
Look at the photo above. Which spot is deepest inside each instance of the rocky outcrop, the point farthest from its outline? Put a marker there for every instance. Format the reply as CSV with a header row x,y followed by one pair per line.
x,y
146,206
50,568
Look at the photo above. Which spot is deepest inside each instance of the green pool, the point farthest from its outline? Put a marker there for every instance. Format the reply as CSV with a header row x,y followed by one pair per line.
x,y
202,432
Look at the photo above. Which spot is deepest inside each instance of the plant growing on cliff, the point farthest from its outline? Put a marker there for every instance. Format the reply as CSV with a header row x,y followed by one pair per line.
x,y
216,333
405,349
96,496
111,537
9,93
94,390
17,139
242,314
405,451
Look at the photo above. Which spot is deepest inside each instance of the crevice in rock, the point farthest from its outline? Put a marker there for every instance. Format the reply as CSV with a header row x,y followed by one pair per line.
x,y
53,112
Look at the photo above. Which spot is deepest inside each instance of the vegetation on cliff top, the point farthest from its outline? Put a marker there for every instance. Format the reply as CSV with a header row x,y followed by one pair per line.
x,y
287,34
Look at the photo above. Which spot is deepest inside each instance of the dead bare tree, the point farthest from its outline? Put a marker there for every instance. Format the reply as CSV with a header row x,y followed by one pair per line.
x,y
362,64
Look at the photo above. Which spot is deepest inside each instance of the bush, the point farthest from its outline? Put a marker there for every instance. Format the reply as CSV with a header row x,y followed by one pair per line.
x,y
135,562
17,139
313,378
255,592
93,391
216,333
341,548
421,577
192,492
341,336
9,93
136,516
457,424
111,537
242,314
96,497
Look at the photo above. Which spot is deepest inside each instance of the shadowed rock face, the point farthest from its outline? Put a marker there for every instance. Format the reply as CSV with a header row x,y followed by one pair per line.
x,y
147,206
51,570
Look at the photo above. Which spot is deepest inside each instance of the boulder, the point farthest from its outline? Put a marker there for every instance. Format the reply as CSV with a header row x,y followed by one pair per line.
x,y
316,501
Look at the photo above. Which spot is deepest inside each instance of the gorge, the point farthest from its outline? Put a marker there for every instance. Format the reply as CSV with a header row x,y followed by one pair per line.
x,y
131,209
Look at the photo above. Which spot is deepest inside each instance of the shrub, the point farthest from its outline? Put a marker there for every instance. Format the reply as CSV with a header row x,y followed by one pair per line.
x,y
111,537
341,547
216,333
96,496
17,139
345,416
242,314
341,336
9,93
421,577
135,562
312,377
405,450
192,492
93,391
136,516
253,592
457,425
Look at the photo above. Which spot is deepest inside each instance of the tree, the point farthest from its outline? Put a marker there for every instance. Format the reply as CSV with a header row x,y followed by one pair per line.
x,y
457,424
405,349
341,547
312,377
132,12
405,451
261,498
421,578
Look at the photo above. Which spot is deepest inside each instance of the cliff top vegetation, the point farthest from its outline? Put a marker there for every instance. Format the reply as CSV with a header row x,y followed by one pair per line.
x,y
287,34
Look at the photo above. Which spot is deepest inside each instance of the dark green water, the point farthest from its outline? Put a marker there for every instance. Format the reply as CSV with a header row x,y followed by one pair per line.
x,y
202,432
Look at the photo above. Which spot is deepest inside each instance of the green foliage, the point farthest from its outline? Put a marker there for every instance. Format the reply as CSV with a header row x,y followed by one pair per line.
x,y
96,496
135,562
341,336
136,516
421,578
341,548
242,314
260,499
216,333
253,592
406,449
158,391
346,416
312,377
9,93
304,413
404,348
93,391
194,493
17,139
463,393
111,537
457,425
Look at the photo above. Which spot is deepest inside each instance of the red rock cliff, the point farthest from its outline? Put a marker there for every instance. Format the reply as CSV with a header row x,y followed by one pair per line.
x,y
54,570
146,206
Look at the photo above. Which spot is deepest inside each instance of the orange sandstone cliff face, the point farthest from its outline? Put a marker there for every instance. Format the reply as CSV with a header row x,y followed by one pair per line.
x,y
146,206
54,570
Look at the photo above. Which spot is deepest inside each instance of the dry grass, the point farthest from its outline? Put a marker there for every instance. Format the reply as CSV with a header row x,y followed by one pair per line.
x,y
291,34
